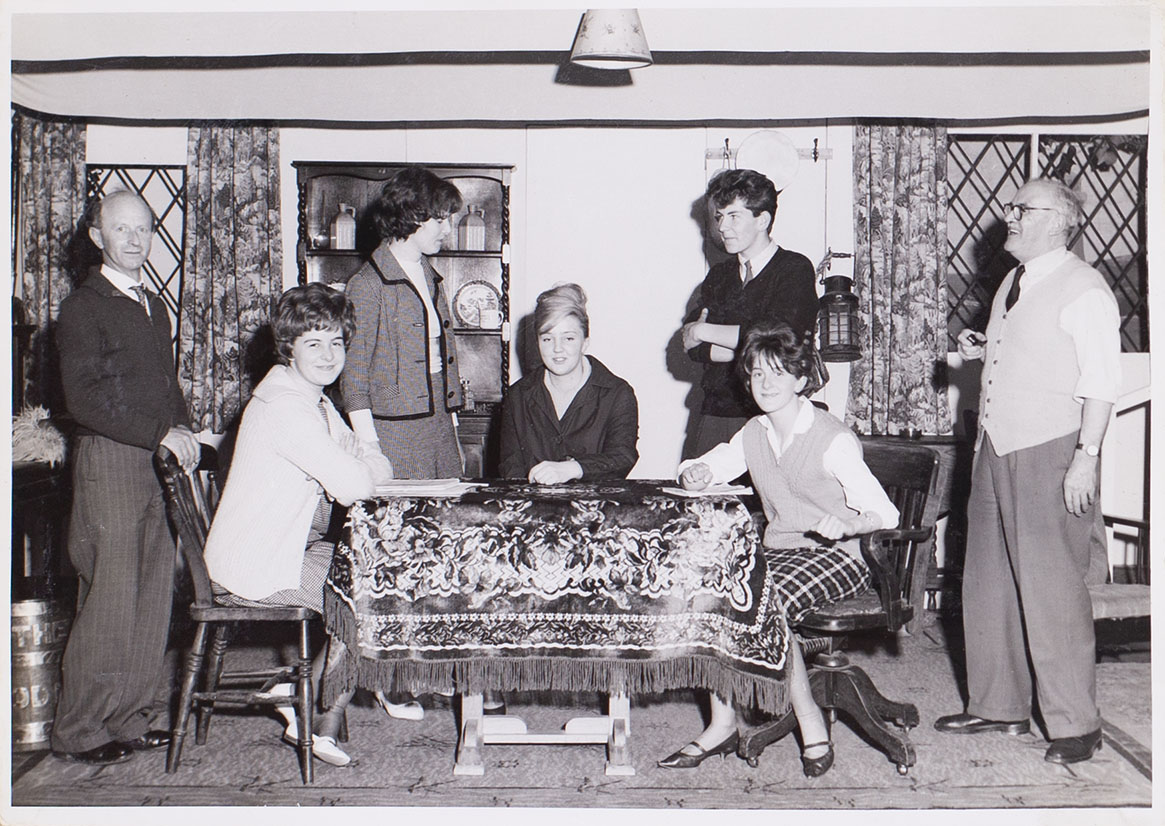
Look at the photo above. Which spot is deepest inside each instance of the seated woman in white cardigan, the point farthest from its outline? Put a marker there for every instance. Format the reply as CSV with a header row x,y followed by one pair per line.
x,y
293,458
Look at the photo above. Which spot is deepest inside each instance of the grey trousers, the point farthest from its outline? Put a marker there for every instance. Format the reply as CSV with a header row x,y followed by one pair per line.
x,y
1024,594
120,545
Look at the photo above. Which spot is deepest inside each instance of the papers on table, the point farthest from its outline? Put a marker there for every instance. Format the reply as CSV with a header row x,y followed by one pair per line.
x,y
426,487
712,490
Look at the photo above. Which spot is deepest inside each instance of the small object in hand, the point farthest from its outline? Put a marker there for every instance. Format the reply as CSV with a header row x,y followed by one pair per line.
x,y
978,338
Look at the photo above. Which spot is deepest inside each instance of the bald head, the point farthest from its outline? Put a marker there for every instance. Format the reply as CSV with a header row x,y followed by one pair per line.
x,y
123,230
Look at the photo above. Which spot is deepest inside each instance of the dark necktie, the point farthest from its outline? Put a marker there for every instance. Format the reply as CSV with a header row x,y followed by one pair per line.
x,y
747,272
1013,293
140,292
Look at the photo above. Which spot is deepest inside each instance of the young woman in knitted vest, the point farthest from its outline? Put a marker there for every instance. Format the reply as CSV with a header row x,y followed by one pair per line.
x,y
818,497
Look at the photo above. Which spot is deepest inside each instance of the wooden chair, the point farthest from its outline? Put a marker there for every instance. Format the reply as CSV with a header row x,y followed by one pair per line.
x,y
190,510
898,561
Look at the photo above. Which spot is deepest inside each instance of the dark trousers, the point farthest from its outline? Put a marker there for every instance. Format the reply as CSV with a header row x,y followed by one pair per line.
x,y
712,430
120,545
1024,592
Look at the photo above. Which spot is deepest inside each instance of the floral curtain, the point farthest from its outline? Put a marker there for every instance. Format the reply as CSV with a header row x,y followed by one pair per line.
x,y
49,164
900,223
234,266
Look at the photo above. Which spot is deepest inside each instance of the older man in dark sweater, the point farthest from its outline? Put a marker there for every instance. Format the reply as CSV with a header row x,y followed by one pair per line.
x,y
117,368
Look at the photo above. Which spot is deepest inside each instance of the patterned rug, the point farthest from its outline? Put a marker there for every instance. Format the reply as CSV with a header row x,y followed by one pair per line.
x,y
398,763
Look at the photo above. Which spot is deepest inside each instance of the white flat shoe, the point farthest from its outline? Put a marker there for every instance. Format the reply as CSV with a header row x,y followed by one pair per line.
x,y
323,747
411,710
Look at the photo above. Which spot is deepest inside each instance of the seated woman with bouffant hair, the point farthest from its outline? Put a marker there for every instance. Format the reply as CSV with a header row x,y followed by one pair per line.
x,y
294,457
572,418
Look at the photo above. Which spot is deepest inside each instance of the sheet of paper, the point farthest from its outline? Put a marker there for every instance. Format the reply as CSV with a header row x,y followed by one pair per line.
x,y
426,487
712,490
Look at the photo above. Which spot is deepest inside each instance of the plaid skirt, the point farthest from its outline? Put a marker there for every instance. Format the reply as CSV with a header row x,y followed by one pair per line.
x,y
807,578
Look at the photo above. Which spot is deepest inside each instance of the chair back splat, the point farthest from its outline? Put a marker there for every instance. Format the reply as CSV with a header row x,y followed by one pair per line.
x,y
189,507
897,559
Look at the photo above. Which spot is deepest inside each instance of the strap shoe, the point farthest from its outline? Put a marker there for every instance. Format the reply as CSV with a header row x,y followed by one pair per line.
x,y
682,760
970,724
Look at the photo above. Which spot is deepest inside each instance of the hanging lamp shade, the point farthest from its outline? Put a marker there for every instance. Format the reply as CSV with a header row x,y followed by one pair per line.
x,y
611,39
837,321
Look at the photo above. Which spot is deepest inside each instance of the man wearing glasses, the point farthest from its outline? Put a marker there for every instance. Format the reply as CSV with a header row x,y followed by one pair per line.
x,y
1050,378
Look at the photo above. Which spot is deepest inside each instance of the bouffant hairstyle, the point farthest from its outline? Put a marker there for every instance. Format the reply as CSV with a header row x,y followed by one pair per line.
x,y
557,303
310,307
753,189
409,198
778,343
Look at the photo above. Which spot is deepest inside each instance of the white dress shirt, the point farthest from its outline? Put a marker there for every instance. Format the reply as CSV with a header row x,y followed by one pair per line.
x,y
842,460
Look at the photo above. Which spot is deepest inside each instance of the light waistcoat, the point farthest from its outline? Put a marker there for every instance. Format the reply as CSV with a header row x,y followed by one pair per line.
x,y
795,490
1030,370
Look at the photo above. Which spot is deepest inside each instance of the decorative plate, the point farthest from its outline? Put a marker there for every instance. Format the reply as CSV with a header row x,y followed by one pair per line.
x,y
471,299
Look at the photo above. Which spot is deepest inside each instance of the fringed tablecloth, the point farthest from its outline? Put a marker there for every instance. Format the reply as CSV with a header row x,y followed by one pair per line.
x,y
577,587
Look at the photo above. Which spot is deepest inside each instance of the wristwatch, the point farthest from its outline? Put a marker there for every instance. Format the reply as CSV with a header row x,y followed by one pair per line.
x,y
1089,450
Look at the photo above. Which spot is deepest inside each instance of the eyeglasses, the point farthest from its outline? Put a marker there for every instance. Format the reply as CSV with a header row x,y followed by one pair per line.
x,y
1019,210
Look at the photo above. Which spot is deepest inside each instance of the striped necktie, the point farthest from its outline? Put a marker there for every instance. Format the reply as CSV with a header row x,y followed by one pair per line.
x,y
143,298
324,414
1013,293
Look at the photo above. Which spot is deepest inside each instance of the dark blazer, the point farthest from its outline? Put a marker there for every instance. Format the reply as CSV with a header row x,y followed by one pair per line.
x,y
387,370
782,291
599,430
117,365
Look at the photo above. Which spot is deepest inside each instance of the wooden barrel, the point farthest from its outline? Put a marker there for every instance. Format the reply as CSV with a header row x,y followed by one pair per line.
x,y
40,628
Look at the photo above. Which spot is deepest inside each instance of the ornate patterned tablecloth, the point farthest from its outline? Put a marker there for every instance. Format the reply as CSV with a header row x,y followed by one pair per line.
x,y
583,587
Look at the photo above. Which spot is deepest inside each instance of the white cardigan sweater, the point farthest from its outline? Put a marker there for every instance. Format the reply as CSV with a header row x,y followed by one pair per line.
x,y
283,462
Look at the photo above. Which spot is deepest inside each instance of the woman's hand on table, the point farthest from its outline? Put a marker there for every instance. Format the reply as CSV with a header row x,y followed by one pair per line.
x,y
696,477
555,473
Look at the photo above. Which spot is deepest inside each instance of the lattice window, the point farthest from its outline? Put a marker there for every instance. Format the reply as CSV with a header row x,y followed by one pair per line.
x,y
984,172
164,189
1109,171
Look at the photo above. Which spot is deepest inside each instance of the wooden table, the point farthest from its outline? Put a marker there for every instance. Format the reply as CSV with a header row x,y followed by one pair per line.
x,y
616,588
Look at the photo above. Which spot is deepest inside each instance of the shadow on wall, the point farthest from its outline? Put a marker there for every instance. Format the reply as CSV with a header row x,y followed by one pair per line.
x,y
679,365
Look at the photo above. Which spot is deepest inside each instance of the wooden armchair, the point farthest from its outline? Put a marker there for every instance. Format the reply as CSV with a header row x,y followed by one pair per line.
x,y
898,561
190,511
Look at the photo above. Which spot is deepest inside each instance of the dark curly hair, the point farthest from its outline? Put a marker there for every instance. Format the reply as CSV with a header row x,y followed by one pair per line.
x,y
779,343
752,188
313,306
409,198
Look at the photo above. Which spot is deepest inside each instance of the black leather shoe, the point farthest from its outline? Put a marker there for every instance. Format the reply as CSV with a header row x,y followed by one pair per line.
x,y
817,766
105,755
683,760
970,724
153,739
1073,749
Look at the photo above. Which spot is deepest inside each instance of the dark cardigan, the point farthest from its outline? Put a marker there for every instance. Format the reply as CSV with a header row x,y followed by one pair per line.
x,y
782,291
117,365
